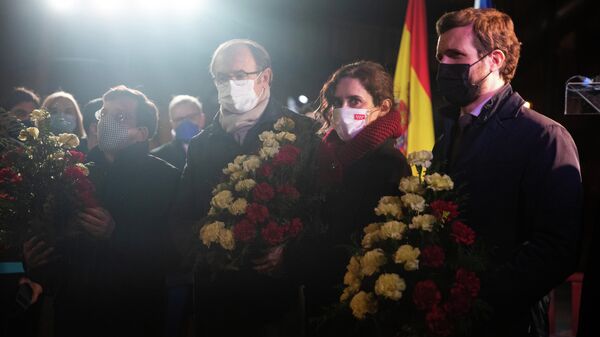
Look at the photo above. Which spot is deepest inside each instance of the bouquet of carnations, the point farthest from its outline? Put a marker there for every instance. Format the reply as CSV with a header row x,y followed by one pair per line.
x,y
418,270
258,206
43,182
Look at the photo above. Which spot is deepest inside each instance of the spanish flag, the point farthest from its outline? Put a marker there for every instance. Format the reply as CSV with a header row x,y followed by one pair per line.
x,y
411,82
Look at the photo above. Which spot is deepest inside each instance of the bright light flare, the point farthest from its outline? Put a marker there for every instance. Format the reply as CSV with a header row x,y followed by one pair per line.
x,y
62,5
106,7
302,99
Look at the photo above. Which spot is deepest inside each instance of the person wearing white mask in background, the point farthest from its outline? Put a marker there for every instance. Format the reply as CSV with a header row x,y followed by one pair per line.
x,y
358,163
187,120
65,116
250,301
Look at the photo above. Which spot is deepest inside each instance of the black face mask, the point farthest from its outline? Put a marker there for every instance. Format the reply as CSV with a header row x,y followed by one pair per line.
x,y
453,82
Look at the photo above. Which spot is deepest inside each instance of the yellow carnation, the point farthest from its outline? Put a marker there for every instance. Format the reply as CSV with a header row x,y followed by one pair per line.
x,y
210,233
288,136
389,205
239,159
226,239
362,304
238,207
390,286
371,261
414,201
33,132
269,151
38,115
23,135
392,230
346,294
354,266
370,238
424,222
245,185
408,255
411,184
232,168
372,227
251,163
235,176
68,140
222,199
267,136
439,182
284,124
420,158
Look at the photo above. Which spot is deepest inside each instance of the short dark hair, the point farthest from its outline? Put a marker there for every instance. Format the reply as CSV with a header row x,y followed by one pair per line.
x,y
372,76
146,113
260,54
89,112
20,95
492,30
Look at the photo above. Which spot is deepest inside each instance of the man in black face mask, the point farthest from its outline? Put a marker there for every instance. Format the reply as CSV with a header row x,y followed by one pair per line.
x,y
519,170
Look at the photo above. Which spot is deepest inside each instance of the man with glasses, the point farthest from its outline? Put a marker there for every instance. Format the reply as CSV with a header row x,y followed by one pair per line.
x,y
239,303
113,281
187,120
519,171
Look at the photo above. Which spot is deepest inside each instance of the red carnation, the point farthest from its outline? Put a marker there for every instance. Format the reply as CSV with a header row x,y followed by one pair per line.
x,y
287,155
433,256
426,295
462,233
6,196
265,170
288,191
444,210
74,173
84,190
77,156
295,227
257,212
460,301
8,175
263,192
469,280
244,231
438,323
272,233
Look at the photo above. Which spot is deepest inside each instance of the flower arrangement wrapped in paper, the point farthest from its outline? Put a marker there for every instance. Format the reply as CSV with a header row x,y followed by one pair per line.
x,y
43,182
418,270
258,205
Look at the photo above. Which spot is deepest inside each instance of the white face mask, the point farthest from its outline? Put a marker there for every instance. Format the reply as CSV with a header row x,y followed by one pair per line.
x,y
237,96
348,122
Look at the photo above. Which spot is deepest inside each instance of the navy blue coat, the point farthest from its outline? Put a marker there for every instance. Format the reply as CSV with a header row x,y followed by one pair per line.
x,y
520,173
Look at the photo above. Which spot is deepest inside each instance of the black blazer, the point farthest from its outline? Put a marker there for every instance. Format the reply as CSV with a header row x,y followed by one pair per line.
x,y
520,173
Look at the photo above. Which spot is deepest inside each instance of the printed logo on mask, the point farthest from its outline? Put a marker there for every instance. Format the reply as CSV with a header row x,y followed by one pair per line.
x,y
359,117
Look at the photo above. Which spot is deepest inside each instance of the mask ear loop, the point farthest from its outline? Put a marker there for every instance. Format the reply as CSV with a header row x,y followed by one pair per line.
x,y
488,74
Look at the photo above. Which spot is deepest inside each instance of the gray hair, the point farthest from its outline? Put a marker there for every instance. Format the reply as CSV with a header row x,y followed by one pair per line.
x,y
185,99
260,54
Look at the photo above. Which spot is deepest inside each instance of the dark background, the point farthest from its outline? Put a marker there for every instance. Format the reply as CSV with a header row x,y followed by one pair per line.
x,y
166,54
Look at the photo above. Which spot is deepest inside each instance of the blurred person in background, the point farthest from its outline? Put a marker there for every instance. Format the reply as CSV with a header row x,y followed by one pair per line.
x,y
187,120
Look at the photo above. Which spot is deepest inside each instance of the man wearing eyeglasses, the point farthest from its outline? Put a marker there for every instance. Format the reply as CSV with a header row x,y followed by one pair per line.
x,y
239,303
114,272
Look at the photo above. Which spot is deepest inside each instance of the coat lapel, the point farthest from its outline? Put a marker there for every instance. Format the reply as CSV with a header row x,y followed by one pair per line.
x,y
486,128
